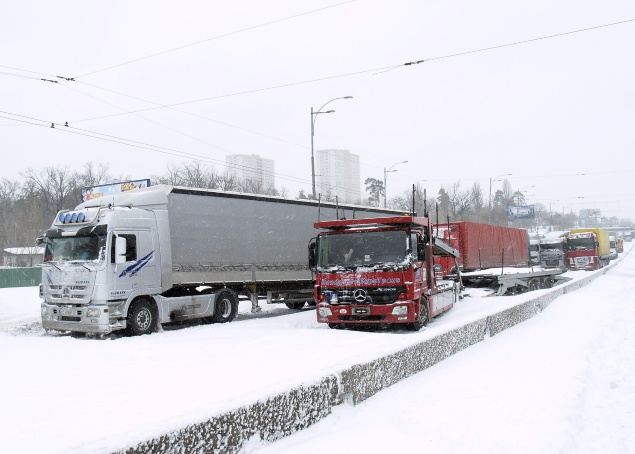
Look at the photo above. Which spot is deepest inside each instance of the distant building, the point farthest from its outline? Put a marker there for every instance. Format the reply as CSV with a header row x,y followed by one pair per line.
x,y
22,256
337,174
251,167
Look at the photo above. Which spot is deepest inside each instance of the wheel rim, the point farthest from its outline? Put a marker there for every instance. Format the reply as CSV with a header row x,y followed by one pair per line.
x,y
226,307
423,311
144,319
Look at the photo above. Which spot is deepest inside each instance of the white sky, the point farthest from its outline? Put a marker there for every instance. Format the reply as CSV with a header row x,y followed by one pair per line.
x,y
561,382
546,111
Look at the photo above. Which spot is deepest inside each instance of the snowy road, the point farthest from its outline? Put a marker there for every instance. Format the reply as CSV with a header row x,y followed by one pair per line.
x,y
85,395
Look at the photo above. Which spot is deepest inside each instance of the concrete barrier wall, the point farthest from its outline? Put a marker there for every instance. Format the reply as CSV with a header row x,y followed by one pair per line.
x,y
294,410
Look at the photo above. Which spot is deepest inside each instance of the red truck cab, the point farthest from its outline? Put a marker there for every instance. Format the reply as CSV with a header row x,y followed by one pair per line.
x,y
379,271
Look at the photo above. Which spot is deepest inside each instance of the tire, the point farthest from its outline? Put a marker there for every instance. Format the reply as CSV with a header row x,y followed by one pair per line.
x,y
225,306
335,326
548,282
295,306
423,318
533,284
142,318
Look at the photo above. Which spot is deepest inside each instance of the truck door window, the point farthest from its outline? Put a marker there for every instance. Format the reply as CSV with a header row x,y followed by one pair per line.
x,y
131,247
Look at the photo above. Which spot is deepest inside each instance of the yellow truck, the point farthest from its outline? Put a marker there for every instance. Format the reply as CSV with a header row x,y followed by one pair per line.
x,y
589,249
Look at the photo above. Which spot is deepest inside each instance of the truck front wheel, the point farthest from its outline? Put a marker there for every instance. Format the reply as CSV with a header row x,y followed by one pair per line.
x,y
422,319
142,318
225,306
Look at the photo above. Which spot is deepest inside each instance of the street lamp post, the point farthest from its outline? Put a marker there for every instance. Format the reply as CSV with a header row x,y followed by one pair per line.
x,y
520,193
490,189
386,172
313,118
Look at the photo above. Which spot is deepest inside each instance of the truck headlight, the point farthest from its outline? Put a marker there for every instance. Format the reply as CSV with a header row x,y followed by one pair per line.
x,y
44,310
324,311
93,312
400,310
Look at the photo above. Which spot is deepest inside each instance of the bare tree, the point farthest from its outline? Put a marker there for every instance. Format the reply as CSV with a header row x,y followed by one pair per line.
x,y
92,176
477,202
195,175
228,182
9,192
459,201
55,188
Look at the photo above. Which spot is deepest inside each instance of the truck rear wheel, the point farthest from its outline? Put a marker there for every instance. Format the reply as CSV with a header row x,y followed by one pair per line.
x,y
225,306
295,306
533,284
142,318
422,320
548,282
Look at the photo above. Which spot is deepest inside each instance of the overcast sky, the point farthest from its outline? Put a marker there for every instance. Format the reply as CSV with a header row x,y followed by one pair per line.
x,y
203,79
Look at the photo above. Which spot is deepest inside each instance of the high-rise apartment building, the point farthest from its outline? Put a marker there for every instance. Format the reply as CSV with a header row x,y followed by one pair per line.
x,y
252,168
337,174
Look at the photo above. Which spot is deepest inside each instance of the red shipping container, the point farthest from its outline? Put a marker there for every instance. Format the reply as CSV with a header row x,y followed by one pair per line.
x,y
483,246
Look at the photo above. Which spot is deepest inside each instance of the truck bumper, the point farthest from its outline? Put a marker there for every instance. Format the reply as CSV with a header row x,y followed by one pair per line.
x,y
362,314
81,319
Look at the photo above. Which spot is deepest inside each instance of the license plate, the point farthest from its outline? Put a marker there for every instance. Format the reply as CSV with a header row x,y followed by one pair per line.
x,y
67,312
361,310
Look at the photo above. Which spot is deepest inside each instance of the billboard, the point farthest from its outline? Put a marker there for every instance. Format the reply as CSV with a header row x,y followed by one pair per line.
x,y
590,213
522,212
92,192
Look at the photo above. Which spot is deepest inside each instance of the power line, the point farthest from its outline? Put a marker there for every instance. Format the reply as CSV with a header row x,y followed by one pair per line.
x,y
355,73
216,37
202,117
133,143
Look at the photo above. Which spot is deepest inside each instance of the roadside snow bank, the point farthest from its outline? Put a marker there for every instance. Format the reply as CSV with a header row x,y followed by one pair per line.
x,y
291,411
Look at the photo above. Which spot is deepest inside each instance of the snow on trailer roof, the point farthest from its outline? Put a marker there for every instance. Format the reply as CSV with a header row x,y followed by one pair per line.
x,y
157,194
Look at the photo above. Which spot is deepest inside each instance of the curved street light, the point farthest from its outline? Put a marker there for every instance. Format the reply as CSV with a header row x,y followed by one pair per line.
x,y
313,118
490,187
387,171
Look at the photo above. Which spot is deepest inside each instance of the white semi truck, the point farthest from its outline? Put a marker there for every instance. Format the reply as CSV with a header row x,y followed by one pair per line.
x,y
137,259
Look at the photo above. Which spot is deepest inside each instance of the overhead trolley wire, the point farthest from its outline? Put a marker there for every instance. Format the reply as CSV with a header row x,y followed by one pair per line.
x,y
375,70
217,37
132,143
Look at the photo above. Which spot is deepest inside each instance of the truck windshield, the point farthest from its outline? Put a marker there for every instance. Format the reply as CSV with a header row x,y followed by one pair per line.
x,y
552,246
362,248
89,248
581,244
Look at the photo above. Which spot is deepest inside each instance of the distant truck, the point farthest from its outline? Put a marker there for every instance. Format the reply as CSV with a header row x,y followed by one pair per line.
x,y
589,249
137,259
553,250
379,271
534,249
613,246
482,246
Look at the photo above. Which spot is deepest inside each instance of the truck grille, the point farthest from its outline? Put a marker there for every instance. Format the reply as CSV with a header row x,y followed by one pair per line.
x,y
378,295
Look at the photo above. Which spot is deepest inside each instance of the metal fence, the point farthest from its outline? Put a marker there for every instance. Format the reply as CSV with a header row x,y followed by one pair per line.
x,y
20,277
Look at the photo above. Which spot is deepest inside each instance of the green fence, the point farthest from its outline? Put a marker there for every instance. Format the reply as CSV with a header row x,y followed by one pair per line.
x,y
20,277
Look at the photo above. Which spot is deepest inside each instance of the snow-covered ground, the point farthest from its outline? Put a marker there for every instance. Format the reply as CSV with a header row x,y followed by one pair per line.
x,y
561,382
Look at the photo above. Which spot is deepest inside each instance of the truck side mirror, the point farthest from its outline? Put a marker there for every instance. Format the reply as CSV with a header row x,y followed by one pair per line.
x,y
312,254
120,249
